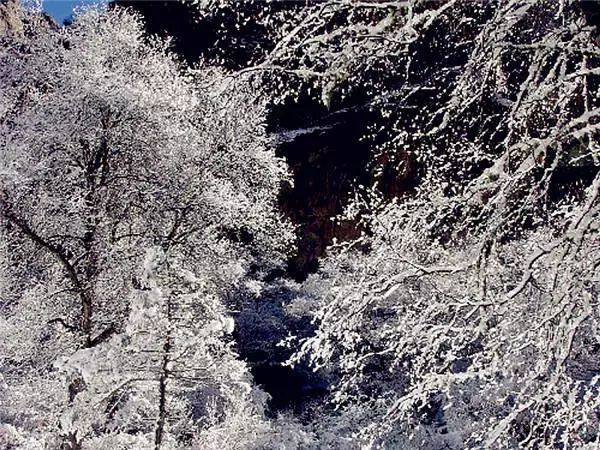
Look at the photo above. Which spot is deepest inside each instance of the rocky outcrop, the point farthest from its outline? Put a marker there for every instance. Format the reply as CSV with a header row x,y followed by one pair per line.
x,y
11,19
15,24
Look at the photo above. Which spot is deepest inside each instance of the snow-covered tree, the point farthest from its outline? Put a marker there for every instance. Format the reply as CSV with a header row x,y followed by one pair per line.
x,y
134,197
137,196
467,314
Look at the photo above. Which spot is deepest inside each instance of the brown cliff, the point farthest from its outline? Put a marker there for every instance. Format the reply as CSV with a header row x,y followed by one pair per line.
x,y
17,24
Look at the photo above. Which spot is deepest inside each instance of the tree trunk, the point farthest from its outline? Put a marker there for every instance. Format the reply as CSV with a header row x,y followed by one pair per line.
x,y
162,384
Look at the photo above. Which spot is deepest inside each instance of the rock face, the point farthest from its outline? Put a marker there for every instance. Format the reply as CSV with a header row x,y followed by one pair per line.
x,y
14,24
11,20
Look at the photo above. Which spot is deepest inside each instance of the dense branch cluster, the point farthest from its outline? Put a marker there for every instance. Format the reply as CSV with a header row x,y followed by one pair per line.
x,y
466,315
